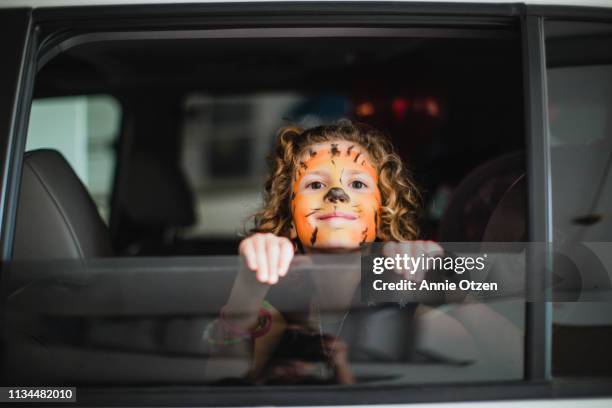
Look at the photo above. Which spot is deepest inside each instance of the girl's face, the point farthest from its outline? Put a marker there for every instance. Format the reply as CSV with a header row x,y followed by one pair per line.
x,y
336,200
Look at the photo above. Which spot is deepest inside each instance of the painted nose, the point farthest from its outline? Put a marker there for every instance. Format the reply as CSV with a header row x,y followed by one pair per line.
x,y
335,195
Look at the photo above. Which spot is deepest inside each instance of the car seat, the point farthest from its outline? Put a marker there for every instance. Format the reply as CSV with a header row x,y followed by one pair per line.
x,y
489,205
154,201
56,216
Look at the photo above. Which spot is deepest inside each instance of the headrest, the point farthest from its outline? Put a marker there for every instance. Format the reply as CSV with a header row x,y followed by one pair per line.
x,y
475,200
508,221
56,217
156,193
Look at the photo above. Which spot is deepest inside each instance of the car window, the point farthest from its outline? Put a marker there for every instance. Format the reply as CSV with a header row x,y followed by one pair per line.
x,y
579,71
160,296
83,129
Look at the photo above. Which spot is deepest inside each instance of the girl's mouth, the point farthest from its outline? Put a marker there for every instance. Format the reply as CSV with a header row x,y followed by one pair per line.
x,y
336,215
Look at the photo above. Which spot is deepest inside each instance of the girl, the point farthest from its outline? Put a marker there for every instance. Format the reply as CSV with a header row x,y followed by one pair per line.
x,y
330,190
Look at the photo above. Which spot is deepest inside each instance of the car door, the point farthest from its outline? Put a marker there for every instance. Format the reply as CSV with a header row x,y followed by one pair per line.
x,y
16,71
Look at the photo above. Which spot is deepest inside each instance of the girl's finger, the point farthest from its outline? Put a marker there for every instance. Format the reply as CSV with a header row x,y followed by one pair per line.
x,y
273,251
433,248
401,249
412,252
248,254
405,248
262,259
419,249
389,249
286,254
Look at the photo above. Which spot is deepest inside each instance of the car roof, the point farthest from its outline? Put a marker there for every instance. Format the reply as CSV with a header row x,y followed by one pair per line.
x,y
59,3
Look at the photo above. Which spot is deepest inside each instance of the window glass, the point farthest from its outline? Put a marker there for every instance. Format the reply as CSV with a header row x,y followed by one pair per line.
x,y
83,129
225,160
171,302
579,80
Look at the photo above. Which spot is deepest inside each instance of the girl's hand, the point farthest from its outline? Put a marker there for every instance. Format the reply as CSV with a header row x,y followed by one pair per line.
x,y
413,249
267,255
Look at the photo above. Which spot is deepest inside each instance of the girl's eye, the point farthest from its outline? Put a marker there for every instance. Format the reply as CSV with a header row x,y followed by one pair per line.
x,y
358,184
315,185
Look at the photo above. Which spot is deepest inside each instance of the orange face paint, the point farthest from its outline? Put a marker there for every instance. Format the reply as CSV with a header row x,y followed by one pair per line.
x,y
336,200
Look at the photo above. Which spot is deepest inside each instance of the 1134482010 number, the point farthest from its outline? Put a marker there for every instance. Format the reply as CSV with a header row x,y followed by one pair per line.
x,y
15,394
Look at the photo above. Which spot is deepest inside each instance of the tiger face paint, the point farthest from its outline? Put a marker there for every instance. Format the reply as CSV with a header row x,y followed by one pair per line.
x,y
336,201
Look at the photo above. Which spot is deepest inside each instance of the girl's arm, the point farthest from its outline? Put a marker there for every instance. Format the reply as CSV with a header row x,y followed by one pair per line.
x,y
266,257
244,324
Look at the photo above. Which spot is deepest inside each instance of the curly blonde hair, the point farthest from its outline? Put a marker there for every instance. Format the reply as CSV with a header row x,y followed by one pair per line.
x,y
401,201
